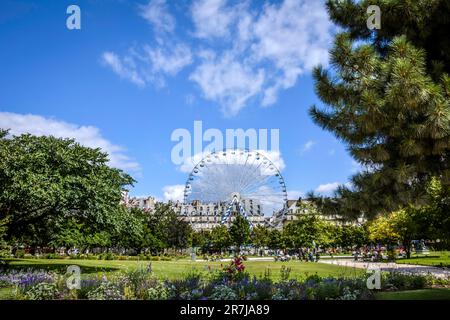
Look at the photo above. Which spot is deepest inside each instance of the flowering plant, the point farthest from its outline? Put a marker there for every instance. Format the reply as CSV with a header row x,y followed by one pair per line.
x,y
235,269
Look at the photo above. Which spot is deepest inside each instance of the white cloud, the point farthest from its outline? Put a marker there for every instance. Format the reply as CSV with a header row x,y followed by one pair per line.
x,y
226,80
211,18
274,47
150,64
169,60
156,13
307,146
328,188
241,53
174,192
124,70
294,194
88,136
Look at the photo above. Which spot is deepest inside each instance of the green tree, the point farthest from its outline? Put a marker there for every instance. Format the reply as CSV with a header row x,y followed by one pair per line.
x,y
240,231
349,235
434,223
199,238
169,230
307,230
387,99
260,236
398,226
45,180
220,238
276,240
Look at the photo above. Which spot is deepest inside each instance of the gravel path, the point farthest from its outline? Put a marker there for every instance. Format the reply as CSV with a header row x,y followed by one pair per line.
x,y
404,268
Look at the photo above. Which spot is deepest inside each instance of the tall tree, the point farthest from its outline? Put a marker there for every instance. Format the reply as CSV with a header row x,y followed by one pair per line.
x,y
220,238
308,229
45,180
240,231
388,99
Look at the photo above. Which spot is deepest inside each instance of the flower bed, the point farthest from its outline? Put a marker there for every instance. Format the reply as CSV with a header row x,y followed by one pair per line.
x,y
230,283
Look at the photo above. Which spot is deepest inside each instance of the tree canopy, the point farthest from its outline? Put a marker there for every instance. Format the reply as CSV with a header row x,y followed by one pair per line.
x,y
48,182
387,98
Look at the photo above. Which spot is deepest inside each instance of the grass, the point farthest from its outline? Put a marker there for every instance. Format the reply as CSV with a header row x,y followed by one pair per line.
x,y
436,259
178,269
422,294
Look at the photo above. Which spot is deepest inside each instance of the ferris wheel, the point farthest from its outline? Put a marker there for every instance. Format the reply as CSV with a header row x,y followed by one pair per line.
x,y
235,177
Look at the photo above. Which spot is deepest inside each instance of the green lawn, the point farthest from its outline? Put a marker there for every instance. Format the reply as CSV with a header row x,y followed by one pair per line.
x,y
423,294
436,258
178,269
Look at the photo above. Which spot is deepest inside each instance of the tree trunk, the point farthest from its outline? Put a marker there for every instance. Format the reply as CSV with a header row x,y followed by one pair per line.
x,y
407,245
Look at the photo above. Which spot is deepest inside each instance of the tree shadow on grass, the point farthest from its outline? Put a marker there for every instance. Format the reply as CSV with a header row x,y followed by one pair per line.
x,y
56,267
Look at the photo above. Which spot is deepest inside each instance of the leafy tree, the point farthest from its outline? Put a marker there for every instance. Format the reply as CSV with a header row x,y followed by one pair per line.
x,y
240,231
398,226
307,230
276,240
434,223
168,229
260,236
220,238
346,236
45,180
3,245
199,238
387,99
179,232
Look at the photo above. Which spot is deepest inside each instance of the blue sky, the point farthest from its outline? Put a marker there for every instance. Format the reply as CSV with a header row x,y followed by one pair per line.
x,y
137,70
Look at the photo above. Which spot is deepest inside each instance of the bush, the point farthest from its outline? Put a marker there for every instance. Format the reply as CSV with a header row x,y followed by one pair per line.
x,y
158,292
106,291
402,281
42,291
20,253
223,292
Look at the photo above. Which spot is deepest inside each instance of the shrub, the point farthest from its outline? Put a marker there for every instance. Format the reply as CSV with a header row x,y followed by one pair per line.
x,y
158,292
20,253
42,291
106,291
403,281
189,288
223,292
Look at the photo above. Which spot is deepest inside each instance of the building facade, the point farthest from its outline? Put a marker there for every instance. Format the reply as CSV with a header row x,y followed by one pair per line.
x,y
206,216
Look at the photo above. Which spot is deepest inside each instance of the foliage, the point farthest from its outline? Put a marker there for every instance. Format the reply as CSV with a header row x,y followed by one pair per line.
x,y
309,228
42,291
219,239
349,235
140,284
398,226
404,281
223,292
106,291
235,270
260,236
240,231
388,100
45,181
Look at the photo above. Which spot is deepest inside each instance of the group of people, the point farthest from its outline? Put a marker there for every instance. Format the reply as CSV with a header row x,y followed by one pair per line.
x,y
369,254
303,254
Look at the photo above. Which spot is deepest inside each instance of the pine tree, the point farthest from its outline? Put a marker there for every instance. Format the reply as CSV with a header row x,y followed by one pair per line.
x,y
387,98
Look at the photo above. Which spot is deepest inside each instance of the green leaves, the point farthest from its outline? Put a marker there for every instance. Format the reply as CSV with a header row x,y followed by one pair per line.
x,y
45,181
385,102
240,231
